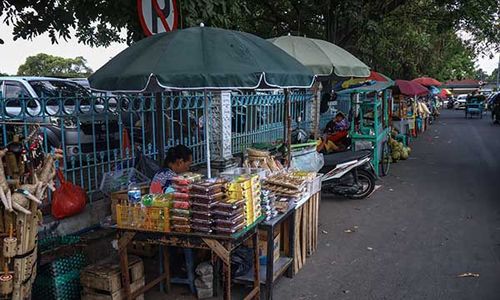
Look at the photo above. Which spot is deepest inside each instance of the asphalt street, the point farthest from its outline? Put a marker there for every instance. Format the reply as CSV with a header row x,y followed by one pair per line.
x,y
436,216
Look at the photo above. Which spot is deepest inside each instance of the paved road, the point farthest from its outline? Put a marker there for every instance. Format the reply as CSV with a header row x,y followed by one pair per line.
x,y
437,215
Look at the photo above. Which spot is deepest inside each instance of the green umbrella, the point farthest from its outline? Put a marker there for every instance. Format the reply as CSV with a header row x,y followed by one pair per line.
x,y
322,57
201,58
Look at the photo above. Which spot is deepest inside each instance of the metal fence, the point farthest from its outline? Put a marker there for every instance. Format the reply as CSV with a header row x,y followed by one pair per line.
x,y
100,134
260,118
104,133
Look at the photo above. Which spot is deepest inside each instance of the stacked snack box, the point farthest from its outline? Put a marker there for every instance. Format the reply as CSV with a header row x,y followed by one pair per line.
x,y
256,192
267,202
241,189
180,212
204,197
229,216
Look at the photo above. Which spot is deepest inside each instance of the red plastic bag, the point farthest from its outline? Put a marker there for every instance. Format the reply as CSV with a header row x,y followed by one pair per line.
x,y
68,199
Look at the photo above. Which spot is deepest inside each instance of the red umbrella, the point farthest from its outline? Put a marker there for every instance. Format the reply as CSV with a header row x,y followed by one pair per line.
x,y
427,81
410,88
377,76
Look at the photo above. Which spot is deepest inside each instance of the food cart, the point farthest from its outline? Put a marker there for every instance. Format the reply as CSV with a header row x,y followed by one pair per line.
x,y
369,122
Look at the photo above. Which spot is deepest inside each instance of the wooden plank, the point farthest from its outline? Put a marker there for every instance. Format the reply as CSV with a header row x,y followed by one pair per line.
x,y
254,294
95,294
304,238
285,236
316,226
220,250
309,223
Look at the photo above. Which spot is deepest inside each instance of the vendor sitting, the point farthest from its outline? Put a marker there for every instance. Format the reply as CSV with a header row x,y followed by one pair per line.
x,y
335,131
178,160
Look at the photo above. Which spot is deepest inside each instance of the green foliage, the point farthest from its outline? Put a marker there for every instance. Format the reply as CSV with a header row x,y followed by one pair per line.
x,y
402,38
48,65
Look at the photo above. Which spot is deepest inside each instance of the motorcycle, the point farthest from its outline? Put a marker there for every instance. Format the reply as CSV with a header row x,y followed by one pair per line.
x,y
349,174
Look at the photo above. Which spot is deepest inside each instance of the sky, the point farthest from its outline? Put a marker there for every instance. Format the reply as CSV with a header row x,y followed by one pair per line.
x,y
14,53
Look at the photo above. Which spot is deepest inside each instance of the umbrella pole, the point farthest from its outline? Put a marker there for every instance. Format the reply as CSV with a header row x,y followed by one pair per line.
x,y
288,127
207,138
160,135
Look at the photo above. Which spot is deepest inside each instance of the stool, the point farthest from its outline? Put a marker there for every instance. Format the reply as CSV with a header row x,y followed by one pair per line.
x,y
189,261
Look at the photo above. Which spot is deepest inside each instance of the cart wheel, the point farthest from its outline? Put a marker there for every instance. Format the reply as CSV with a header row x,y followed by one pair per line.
x,y
385,162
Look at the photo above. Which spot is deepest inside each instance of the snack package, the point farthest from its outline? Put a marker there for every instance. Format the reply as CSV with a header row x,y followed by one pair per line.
x,y
230,230
181,204
180,212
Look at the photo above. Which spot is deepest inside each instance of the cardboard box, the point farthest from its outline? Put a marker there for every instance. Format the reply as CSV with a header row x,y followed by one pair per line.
x,y
263,244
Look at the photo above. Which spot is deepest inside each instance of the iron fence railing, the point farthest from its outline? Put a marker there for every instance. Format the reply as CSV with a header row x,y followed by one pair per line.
x,y
260,118
102,133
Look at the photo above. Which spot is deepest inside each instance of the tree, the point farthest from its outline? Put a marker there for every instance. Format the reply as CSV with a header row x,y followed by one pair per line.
x,y
3,74
400,37
48,65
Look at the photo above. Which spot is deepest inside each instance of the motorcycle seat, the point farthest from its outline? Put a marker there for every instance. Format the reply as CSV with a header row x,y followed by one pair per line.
x,y
334,159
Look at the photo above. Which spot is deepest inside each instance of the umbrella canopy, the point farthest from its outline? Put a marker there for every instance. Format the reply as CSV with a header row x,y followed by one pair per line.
x,y
201,58
410,88
427,81
378,77
322,57
444,93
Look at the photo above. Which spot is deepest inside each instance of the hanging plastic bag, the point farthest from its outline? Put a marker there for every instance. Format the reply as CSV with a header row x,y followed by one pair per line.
x,y
68,199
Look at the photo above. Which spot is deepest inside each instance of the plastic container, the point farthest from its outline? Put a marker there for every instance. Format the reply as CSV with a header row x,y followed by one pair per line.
x,y
180,196
180,212
115,181
204,222
208,207
177,220
201,228
230,230
207,199
181,228
181,204
229,206
228,214
230,222
201,215
209,187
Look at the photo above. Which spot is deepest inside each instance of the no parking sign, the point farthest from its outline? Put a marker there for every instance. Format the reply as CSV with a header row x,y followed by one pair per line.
x,y
157,16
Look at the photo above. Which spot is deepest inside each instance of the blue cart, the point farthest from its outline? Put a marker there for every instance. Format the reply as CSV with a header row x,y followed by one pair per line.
x,y
474,106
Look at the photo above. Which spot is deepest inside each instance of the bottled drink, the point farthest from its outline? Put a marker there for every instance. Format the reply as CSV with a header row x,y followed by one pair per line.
x,y
134,193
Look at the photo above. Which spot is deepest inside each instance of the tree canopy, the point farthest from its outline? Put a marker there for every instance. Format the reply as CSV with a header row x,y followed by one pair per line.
x,y
400,37
48,65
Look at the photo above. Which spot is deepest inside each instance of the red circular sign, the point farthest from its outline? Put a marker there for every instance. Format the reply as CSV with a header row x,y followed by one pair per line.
x,y
157,16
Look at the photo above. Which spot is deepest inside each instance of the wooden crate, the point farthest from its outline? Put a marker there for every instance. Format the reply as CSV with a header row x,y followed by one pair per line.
x,y
306,231
103,279
93,294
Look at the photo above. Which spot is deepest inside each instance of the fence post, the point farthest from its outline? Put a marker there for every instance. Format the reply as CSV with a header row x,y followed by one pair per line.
x,y
221,131
315,109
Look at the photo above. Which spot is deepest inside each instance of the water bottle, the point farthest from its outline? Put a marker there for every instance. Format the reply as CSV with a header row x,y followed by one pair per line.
x,y
134,193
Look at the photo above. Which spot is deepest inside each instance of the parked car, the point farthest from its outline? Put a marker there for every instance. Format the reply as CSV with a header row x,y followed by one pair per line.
x,y
85,132
460,102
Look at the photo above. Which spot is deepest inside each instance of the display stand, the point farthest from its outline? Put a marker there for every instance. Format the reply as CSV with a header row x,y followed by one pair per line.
x,y
222,248
273,270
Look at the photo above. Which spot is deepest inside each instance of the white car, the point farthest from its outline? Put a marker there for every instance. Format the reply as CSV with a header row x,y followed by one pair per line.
x,y
84,132
460,102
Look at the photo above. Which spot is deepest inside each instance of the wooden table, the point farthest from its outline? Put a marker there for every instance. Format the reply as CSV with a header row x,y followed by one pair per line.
x,y
222,247
272,271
